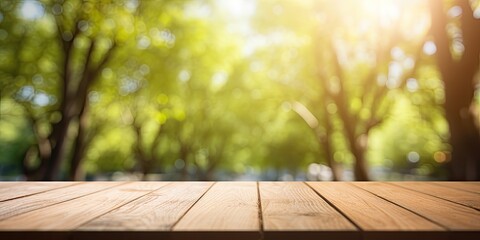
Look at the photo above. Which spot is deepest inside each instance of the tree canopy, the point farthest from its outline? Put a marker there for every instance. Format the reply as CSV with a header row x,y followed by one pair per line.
x,y
210,89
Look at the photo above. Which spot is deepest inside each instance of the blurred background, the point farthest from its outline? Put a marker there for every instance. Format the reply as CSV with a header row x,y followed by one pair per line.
x,y
239,90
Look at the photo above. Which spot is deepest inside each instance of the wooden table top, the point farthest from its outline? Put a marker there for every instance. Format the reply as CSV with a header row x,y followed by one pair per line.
x,y
240,210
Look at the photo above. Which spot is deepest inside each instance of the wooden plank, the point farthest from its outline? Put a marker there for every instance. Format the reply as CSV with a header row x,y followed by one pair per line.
x,y
11,190
236,210
379,219
158,210
465,186
71,214
228,210
45,199
455,217
291,207
469,199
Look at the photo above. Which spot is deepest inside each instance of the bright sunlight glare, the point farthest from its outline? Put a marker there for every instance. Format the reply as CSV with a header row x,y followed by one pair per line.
x,y
32,10
236,89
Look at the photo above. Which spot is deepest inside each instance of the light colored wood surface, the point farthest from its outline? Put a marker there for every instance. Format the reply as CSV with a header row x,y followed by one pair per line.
x,y
294,206
239,210
370,212
450,215
465,186
158,210
71,214
226,206
52,197
469,199
11,190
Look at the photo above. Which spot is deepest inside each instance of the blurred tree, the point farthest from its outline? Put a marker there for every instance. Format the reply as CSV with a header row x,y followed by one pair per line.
x,y
86,46
353,69
216,89
458,50
86,37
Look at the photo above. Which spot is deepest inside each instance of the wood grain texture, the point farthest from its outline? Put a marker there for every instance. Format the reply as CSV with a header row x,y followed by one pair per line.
x,y
370,212
52,197
158,210
239,210
71,214
376,217
450,215
11,190
294,206
465,186
469,199
227,206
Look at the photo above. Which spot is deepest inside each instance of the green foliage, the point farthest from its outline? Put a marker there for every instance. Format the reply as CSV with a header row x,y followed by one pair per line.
x,y
189,93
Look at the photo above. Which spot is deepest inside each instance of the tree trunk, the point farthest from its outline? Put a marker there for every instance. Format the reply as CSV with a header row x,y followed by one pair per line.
x,y
458,77
360,169
80,144
184,152
326,144
41,150
60,142
349,125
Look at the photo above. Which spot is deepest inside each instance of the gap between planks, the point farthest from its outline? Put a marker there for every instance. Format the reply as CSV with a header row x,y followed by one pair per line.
x,y
188,210
15,195
375,217
399,205
336,208
464,198
454,217
360,186
260,213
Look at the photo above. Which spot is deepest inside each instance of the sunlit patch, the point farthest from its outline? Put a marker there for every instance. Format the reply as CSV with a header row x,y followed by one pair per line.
x,y
440,157
254,76
319,172
143,42
454,11
131,5
41,99
93,96
429,48
412,84
32,10
395,72
184,76
458,47
405,19
238,8
408,63
26,93
219,79
413,157
168,37
129,85
476,13
397,53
